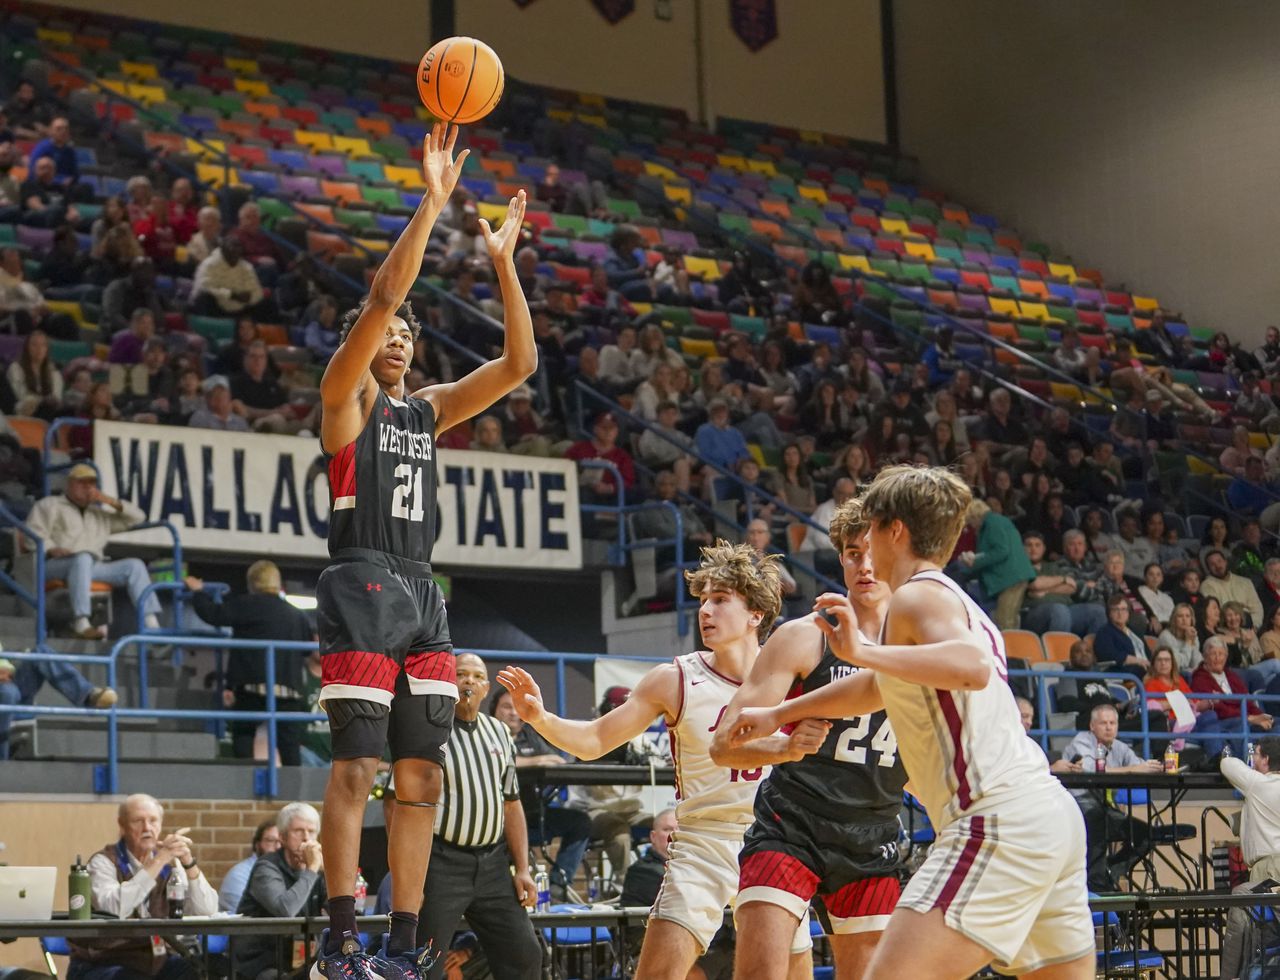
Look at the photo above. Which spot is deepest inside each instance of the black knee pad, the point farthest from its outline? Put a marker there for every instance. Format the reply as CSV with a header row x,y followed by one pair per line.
x,y
357,728
420,727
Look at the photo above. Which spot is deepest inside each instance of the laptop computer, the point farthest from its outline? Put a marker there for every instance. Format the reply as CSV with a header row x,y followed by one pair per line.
x,y
27,893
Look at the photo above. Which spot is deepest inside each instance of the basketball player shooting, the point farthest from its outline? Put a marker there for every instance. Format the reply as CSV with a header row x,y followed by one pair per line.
x,y
1004,884
740,597
825,825
387,659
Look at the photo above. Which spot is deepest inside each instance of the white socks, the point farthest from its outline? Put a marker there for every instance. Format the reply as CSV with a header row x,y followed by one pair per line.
x,y
80,624
151,621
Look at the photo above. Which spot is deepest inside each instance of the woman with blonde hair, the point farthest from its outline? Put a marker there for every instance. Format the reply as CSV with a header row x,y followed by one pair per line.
x,y
1182,638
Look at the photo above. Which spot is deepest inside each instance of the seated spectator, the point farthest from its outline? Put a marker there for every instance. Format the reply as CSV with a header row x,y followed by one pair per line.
x,y
1187,589
1055,599
1081,482
817,543
320,336
64,268
75,527
266,839
754,493
999,428
44,200
1181,638
823,418
1000,564
467,240
1106,824
138,190
815,299
256,245
659,387
603,445
1138,551
1252,402
719,443
261,399
98,404
184,212
28,114
260,614
486,435
23,303
58,147
1113,582
1212,677
621,363
760,537
218,411
226,284
1109,471
1117,643
1253,495
130,878
114,258
1162,677
1157,603
602,296
21,683
1225,586
1069,356
654,350
1259,842
158,238
1233,458
546,821
287,883
660,523
208,233
1247,559
134,291
625,264
10,189
127,346
35,379
149,389
796,486
112,215
1243,649
187,398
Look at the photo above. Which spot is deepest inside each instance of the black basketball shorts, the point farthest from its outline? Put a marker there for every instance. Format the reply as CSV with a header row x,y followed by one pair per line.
x,y
384,642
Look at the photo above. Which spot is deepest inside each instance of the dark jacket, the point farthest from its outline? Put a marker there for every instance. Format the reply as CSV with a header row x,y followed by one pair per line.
x,y
258,616
275,891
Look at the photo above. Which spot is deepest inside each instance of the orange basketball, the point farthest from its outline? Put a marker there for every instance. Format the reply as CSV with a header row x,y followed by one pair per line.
x,y
460,80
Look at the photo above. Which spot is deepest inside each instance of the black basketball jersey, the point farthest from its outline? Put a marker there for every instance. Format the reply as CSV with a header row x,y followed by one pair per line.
x,y
856,775
382,486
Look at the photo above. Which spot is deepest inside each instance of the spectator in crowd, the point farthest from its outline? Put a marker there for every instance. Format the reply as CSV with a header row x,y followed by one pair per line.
x,y
1157,603
797,486
818,542
546,821
184,212
138,191
226,284
130,878
1106,824
1116,643
603,445
760,537
1027,714
27,113
1225,586
551,191
19,684
35,379
998,427
1252,494
113,215
525,431
320,336
720,443
44,200
1243,649
1181,638
75,527
23,304
261,614
123,297
1113,582
65,267
230,359
660,524
1057,600
287,883
208,233
1187,589
1235,456
127,346
157,236
10,189
1214,677
114,257
266,839
664,447
57,146
1216,535
218,411
261,399
1162,677
479,833
625,264
1270,639
256,245
1000,563
1138,551
1247,558
622,364
1259,841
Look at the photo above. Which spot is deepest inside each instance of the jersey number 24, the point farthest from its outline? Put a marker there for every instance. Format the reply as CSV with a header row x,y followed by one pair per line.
x,y
884,742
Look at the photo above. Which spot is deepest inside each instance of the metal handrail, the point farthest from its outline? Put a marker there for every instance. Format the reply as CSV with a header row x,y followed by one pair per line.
x,y
57,425
35,599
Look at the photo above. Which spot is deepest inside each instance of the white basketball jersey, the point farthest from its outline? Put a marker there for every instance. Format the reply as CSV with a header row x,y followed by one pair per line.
x,y
707,794
962,746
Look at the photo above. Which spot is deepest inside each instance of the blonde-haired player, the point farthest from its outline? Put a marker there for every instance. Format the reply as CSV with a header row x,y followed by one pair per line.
x,y
740,597
1005,882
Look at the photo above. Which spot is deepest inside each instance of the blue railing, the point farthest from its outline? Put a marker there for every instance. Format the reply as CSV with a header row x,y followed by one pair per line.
x,y
50,437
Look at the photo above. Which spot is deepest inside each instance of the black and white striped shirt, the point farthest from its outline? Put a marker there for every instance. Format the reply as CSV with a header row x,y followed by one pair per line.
x,y
479,776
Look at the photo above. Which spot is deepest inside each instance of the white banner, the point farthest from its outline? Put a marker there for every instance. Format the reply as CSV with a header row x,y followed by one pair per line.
x,y
269,495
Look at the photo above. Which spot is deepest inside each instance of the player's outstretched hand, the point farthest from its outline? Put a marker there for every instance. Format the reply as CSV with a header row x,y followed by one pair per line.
x,y
843,635
502,243
807,737
440,170
526,696
750,724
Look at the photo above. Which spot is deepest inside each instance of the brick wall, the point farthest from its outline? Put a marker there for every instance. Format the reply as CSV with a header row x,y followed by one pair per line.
x,y
221,830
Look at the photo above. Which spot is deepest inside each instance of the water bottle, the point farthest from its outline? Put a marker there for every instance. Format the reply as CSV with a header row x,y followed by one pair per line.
x,y
1100,759
1170,758
1251,748
1226,750
542,885
361,892
593,889
78,903
173,891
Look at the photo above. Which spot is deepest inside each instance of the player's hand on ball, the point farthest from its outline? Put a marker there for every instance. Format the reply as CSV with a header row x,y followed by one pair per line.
x,y
751,724
439,169
807,737
526,696
502,243
839,624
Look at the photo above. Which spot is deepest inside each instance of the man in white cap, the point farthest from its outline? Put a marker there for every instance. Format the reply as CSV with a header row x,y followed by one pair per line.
x,y
75,528
219,411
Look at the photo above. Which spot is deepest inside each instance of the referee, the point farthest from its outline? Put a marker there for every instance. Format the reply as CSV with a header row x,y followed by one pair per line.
x,y
480,832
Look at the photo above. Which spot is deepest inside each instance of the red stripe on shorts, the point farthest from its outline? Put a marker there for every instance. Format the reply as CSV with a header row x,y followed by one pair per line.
x,y
977,834
864,898
359,668
438,665
773,869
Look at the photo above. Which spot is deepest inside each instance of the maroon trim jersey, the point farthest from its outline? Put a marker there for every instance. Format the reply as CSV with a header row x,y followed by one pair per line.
x,y
382,486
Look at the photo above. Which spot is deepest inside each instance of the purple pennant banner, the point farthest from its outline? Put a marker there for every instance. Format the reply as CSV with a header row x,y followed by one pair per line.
x,y
614,10
754,21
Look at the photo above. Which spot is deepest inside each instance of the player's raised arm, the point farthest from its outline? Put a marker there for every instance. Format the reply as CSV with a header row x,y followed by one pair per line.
x,y
656,694
924,621
790,653
468,396
856,694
